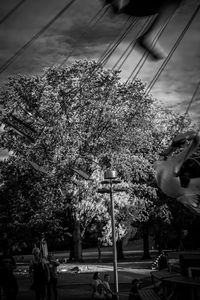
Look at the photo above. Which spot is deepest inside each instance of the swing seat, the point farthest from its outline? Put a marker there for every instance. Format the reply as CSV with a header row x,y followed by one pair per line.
x,y
140,8
179,176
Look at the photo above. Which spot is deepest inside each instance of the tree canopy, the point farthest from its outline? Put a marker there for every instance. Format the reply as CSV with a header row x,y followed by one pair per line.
x,y
81,117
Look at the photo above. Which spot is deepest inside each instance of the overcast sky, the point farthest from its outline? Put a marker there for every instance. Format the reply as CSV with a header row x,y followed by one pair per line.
x,y
71,34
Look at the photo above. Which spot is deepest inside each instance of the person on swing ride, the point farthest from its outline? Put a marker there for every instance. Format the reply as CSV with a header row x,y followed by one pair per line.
x,y
163,9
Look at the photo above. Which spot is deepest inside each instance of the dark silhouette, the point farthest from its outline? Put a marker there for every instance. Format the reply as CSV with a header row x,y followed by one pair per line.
x,y
133,294
39,272
8,281
52,284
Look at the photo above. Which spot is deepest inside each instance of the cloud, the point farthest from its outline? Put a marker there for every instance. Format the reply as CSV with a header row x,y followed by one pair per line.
x,y
71,33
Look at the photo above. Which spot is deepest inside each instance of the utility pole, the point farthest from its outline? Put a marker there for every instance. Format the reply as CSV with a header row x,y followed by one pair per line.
x,y
110,179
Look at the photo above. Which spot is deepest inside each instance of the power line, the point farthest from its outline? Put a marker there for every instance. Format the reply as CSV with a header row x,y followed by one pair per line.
x,y
110,45
107,55
11,11
35,37
97,17
128,50
193,97
169,56
155,78
146,54
93,21
134,42
190,103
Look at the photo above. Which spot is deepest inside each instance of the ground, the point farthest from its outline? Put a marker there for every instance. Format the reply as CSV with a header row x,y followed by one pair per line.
x,y
73,285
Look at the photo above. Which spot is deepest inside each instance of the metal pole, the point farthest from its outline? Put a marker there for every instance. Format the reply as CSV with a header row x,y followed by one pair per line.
x,y
114,240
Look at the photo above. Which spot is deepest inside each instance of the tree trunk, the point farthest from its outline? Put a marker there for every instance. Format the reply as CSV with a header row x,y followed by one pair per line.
x,y
145,230
77,241
99,250
71,254
119,245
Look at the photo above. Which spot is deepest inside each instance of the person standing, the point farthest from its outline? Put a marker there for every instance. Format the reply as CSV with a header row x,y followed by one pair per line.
x,y
108,292
96,281
8,281
52,284
39,272
44,247
133,294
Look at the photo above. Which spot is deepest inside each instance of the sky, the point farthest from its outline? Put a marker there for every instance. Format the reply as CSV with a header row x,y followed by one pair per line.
x,y
74,34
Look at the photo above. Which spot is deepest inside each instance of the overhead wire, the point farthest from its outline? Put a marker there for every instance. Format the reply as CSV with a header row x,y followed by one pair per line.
x,y
176,44
109,50
20,51
93,19
104,58
155,78
128,51
181,125
150,86
92,22
107,55
110,45
172,51
112,49
35,37
146,54
193,97
123,35
11,11
190,104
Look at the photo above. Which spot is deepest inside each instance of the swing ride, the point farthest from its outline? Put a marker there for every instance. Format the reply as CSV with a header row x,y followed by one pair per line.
x,y
178,176
163,9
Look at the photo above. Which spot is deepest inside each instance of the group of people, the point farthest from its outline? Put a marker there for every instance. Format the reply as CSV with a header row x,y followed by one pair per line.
x,y
42,269
101,288
43,272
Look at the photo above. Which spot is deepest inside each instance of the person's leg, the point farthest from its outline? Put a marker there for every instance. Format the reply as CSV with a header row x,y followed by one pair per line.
x,y
49,290
37,293
54,286
10,290
146,40
43,291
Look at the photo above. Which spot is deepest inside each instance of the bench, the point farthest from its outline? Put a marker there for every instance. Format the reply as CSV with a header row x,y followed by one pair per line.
x,y
148,294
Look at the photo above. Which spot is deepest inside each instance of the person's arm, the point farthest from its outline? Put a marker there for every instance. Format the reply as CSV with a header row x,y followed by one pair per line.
x,y
107,288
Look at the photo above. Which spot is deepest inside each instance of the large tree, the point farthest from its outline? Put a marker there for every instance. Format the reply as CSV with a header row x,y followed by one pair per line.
x,y
81,117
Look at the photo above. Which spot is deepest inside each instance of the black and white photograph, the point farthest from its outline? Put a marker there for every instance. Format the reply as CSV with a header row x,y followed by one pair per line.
x,y
99,149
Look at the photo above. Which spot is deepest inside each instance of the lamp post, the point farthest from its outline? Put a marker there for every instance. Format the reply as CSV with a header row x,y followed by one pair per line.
x,y
110,178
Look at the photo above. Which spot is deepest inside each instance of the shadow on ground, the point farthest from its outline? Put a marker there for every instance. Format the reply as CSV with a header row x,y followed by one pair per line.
x,y
74,286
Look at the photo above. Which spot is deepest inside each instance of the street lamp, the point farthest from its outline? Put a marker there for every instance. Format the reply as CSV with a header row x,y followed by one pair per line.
x,y
110,177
